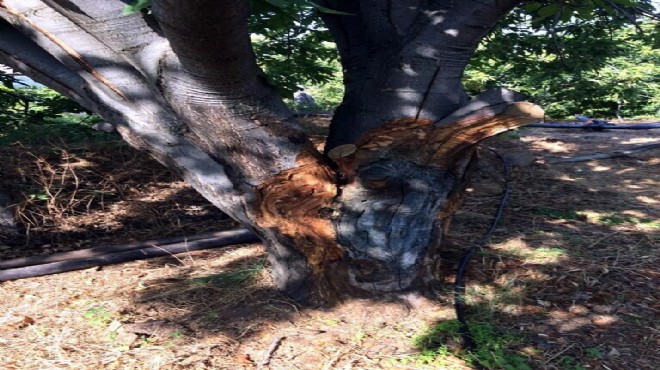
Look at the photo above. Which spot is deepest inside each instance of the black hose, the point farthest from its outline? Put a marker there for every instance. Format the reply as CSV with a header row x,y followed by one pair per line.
x,y
459,284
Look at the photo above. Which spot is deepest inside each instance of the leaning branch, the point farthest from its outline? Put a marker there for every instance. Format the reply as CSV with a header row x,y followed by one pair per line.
x,y
77,57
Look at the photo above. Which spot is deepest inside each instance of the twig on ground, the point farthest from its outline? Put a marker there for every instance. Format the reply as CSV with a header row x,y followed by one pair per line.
x,y
566,348
601,239
284,302
338,355
271,349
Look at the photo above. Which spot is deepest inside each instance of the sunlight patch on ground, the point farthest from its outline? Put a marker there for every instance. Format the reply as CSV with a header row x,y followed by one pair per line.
x,y
647,200
599,168
638,140
533,255
553,146
622,220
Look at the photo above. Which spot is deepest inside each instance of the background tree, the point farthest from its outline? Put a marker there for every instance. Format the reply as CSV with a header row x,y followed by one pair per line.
x,y
579,60
181,81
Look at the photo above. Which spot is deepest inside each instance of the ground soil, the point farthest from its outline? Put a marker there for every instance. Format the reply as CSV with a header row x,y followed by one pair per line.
x,y
572,270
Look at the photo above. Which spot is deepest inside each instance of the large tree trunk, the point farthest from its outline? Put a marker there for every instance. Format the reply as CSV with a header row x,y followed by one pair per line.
x,y
366,217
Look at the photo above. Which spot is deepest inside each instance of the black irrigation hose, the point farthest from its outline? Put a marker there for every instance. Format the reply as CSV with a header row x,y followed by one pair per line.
x,y
227,238
459,285
598,126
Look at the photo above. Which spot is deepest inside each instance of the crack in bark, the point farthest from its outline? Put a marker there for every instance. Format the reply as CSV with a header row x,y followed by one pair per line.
x,y
427,92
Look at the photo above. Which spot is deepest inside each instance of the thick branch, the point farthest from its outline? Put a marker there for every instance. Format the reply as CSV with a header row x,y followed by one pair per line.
x,y
142,120
211,39
398,65
22,54
136,36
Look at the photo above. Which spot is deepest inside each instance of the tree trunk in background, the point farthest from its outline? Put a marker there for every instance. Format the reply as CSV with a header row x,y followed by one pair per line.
x,y
183,85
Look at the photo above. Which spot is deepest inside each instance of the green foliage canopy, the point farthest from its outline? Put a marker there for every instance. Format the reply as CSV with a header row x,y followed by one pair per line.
x,y
578,59
593,57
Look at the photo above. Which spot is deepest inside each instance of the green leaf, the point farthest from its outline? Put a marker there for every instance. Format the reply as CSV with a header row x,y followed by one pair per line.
x,y
136,7
625,2
323,9
532,6
279,3
549,10
586,12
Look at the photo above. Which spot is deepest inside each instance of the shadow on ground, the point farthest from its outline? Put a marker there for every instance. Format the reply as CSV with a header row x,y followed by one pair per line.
x,y
568,282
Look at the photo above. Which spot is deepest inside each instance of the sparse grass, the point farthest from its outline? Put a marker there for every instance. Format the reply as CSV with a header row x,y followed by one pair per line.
x,y
569,363
594,352
98,315
494,346
68,128
544,255
561,214
232,279
616,219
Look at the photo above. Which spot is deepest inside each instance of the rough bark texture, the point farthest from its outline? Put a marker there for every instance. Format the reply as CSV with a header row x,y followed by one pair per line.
x,y
182,84
404,58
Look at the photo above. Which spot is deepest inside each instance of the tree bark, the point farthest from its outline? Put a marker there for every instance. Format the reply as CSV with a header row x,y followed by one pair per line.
x,y
404,58
365,217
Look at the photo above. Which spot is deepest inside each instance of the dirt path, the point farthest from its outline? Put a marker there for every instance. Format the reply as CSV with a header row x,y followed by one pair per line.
x,y
570,281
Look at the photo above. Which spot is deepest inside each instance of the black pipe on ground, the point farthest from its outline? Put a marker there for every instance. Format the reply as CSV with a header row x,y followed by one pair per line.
x,y
103,249
222,239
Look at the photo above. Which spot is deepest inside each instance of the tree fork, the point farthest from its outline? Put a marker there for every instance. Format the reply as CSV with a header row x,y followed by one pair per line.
x,y
369,222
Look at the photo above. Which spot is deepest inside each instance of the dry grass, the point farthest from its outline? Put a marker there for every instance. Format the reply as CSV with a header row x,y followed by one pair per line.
x,y
571,274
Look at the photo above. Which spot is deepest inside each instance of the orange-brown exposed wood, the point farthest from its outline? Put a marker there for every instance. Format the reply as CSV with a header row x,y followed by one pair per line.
x,y
299,203
385,202
426,143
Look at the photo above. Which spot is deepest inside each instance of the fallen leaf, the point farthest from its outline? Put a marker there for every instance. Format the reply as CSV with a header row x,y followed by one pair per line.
x,y
244,358
13,323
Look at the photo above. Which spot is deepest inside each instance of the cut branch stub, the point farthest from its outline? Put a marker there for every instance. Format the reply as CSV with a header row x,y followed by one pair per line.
x,y
343,156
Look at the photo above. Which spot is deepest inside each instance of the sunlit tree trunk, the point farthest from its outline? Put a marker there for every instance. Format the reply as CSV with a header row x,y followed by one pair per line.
x,y
363,218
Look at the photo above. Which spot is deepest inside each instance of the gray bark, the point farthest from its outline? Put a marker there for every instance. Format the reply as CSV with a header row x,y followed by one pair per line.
x,y
183,85
404,58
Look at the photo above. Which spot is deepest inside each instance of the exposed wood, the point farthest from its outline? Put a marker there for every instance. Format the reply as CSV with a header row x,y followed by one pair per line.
x,y
440,144
231,237
299,204
343,156
618,153
106,249
341,151
368,225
